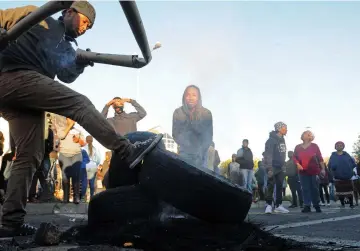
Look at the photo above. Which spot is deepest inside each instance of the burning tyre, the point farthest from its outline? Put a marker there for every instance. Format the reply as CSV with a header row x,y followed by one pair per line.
x,y
198,192
119,174
121,205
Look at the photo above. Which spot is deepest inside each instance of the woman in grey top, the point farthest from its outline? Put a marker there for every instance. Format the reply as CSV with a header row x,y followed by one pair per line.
x,y
70,157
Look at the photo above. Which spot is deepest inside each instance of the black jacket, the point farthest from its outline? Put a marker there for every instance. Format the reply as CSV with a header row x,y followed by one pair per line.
x,y
275,152
291,168
44,48
247,160
49,143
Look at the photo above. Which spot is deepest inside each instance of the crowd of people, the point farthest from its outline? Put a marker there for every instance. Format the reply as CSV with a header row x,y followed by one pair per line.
x,y
41,162
310,179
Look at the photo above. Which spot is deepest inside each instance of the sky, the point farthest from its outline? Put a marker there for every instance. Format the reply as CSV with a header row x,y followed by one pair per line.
x,y
256,63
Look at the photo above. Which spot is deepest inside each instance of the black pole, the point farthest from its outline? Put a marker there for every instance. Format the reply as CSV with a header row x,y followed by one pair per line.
x,y
132,61
43,12
131,12
133,16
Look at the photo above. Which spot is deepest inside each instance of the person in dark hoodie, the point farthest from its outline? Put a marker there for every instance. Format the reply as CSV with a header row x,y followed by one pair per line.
x,y
123,122
28,89
260,178
42,173
341,165
192,128
244,157
274,160
324,182
291,171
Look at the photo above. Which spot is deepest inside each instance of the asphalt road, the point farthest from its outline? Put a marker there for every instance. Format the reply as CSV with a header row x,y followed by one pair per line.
x,y
334,226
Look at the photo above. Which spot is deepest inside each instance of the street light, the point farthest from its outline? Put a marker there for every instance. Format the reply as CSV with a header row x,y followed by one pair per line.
x,y
156,46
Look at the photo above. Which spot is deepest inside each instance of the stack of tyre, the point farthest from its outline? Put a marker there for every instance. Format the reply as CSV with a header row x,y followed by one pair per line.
x,y
139,193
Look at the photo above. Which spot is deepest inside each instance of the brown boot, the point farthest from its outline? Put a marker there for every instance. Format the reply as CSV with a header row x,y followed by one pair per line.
x,y
66,189
76,192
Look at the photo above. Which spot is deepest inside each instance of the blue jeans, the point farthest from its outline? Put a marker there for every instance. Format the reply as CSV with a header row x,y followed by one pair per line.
x,y
85,182
310,189
248,177
70,167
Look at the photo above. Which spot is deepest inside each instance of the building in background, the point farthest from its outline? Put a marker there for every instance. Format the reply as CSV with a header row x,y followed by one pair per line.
x,y
168,140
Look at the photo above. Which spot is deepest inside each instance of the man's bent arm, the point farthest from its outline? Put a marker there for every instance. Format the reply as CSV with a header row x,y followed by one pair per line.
x,y
105,111
140,111
69,70
9,17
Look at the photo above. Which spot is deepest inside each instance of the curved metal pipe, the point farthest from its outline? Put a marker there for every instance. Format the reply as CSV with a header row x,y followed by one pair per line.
x,y
132,61
133,16
43,12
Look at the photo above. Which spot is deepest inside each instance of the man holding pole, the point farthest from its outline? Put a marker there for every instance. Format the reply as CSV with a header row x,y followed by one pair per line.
x,y
28,89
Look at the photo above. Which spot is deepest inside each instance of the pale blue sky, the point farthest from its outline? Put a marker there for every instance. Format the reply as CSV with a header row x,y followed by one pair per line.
x,y
255,62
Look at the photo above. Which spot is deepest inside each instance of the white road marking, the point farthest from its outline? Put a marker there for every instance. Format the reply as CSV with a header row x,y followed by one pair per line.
x,y
75,216
321,241
312,222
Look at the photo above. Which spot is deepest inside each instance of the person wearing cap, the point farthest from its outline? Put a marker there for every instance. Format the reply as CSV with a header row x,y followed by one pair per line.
x,y
28,68
274,160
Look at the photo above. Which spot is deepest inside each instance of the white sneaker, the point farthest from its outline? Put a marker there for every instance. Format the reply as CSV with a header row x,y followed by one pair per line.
x,y
281,209
268,209
328,204
322,204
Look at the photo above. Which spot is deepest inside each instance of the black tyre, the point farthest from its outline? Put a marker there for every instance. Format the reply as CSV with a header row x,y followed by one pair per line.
x,y
119,172
121,205
198,192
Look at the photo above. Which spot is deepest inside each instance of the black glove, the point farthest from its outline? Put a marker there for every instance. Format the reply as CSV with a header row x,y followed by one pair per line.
x,y
3,41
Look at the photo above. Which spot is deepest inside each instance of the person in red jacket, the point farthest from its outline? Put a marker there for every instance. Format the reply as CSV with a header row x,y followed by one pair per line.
x,y
310,163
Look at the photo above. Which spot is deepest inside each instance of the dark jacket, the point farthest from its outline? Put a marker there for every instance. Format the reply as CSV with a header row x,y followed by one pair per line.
x,y
291,168
325,180
44,48
342,166
246,161
275,152
192,132
260,175
49,143
124,123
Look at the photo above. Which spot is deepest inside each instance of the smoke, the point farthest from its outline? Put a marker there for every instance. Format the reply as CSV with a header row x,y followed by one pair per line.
x,y
208,59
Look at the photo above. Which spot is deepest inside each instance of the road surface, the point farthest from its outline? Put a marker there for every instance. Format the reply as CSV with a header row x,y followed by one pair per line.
x,y
335,226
